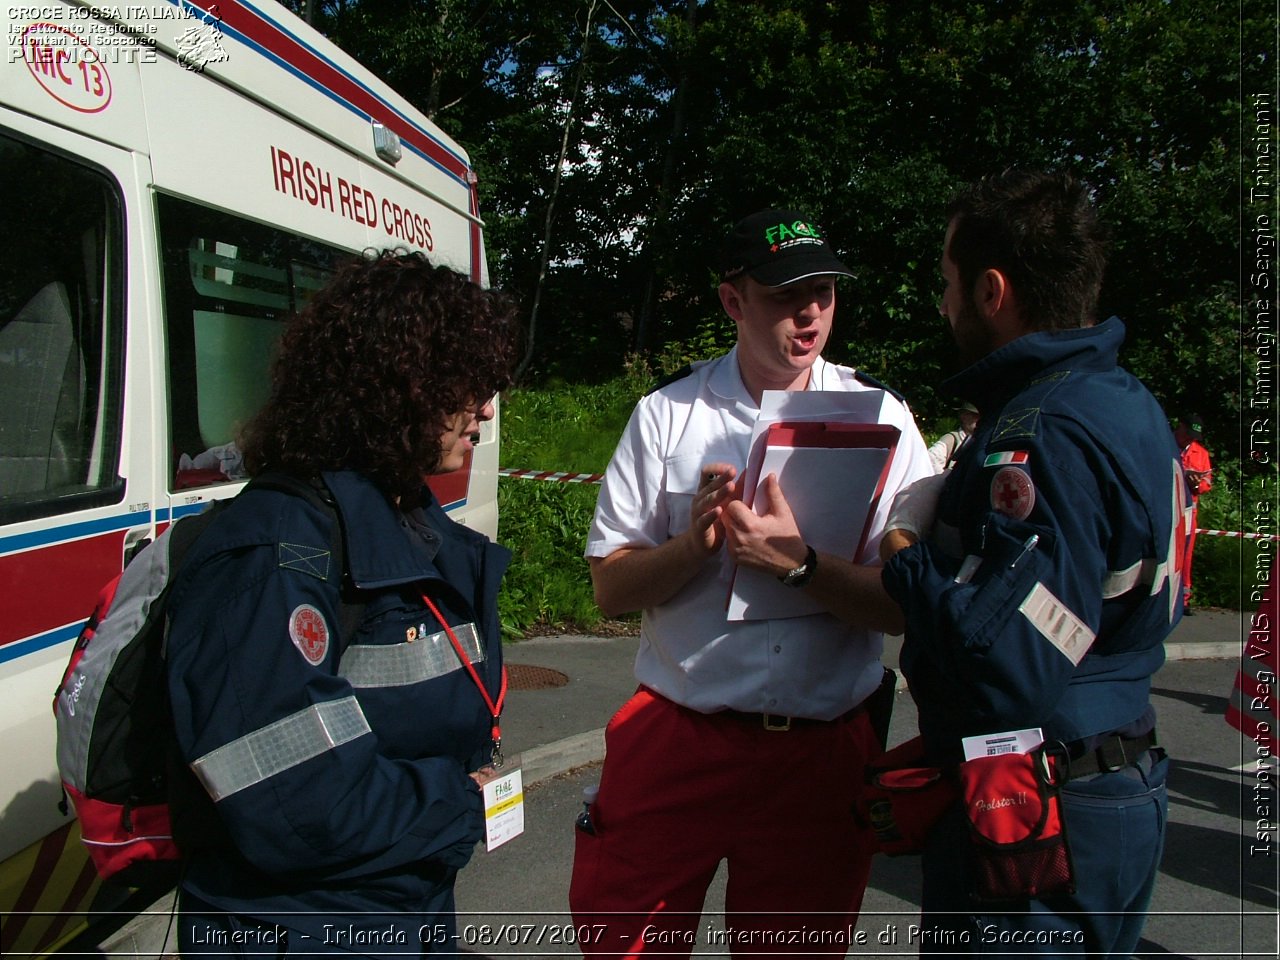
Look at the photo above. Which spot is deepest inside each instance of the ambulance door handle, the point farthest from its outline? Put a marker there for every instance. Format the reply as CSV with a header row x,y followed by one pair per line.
x,y
134,549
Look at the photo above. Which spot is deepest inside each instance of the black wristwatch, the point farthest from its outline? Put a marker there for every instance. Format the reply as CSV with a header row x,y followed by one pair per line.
x,y
801,575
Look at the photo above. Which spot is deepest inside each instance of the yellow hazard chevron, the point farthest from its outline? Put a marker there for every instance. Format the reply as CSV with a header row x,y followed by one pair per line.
x,y
45,893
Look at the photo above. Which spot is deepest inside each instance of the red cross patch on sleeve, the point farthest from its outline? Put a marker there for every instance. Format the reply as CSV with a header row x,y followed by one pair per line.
x,y
309,633
1013,493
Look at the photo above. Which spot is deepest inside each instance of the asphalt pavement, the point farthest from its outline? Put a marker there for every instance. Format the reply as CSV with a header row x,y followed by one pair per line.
x,y
1216,895
564,689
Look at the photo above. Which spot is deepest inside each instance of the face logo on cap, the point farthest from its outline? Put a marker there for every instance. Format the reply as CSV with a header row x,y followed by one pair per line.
x,y
1012,493
781,235
309,633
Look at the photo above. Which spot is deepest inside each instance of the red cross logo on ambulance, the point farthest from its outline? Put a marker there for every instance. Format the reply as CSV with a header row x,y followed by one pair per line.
x,y
1012,493
309,633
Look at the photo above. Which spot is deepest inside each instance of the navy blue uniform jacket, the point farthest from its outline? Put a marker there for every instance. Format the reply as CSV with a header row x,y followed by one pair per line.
x,y
341,775
1062,631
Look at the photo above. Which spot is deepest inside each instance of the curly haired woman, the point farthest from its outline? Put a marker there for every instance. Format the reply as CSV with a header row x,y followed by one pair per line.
x,y
334,654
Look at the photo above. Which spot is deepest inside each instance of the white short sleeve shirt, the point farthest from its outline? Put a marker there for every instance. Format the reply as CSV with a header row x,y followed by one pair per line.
x,y
813,666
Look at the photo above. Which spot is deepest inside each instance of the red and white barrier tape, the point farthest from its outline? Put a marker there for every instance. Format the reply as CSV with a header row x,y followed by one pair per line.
x,y
550,475
1236,533
597,477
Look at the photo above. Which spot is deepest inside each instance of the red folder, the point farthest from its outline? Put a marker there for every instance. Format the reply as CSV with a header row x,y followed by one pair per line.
x,y
833,475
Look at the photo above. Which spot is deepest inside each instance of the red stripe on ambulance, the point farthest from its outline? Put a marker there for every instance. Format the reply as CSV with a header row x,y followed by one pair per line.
x,y
477,254
451,488
66,577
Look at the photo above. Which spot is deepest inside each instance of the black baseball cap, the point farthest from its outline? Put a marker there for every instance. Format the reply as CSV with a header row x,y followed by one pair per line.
x,y
777,247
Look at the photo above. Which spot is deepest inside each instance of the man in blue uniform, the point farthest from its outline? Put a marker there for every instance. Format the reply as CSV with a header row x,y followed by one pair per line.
x,y
1039,577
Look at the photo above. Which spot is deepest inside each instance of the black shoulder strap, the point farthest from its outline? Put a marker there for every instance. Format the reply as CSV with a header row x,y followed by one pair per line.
x,y
871,381
317,492
186,532
671,378
955,451
314,490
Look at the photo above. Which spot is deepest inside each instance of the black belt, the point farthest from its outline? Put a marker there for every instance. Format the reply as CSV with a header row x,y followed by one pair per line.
x,y
879,703
777,723
1114,753
774,722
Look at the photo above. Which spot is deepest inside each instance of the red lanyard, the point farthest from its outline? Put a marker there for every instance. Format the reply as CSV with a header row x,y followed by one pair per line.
x,y
495,709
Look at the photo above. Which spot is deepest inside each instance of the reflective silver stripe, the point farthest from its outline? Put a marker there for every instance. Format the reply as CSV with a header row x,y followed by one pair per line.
x,y
1118,582
1056,623
280,746
400,664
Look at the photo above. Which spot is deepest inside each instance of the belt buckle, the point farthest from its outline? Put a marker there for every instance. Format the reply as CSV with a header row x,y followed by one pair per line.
x,y
775,723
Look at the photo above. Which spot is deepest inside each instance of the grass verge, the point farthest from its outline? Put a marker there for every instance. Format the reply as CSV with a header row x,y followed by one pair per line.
x,y
575,427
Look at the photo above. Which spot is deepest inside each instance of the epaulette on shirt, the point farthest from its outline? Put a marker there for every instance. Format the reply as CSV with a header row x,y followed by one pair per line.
x,y
680,374
871,381
670,378
858,375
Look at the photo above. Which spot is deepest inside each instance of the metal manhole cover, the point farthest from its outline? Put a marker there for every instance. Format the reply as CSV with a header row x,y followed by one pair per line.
x,y
523,676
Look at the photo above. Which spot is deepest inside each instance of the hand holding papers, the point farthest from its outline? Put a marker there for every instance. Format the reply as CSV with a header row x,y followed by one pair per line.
x,y
831,465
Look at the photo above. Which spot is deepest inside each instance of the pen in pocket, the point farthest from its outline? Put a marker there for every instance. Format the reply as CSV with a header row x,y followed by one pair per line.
x,y
1027,546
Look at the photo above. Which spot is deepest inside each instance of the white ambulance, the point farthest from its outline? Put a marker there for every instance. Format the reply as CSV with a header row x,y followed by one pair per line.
x,y
177,178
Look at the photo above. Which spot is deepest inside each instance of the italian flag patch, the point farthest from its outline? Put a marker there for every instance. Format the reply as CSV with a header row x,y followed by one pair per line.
x,y
1008,456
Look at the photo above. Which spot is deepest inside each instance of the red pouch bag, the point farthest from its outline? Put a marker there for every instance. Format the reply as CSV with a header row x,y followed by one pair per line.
x,y
1014,809
903,799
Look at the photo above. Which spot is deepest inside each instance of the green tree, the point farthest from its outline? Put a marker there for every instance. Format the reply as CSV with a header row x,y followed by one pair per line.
x,y
865,113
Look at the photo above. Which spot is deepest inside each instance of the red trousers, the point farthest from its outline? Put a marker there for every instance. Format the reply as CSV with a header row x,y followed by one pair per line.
x,y
681,791
1191,548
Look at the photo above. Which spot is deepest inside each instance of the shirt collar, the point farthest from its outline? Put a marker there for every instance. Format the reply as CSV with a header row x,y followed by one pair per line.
x,y
725,379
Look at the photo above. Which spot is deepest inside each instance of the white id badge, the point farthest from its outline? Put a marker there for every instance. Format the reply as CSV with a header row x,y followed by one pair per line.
x,y
503,809
995,744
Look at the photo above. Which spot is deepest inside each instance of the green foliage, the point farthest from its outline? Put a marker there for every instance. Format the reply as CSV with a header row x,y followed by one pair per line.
x,y
548,585
710,339
570,427
564,427
1228,571
867,114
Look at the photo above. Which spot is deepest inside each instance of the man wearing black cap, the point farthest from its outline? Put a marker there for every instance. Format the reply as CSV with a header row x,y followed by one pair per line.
x,y
1199,472
746,741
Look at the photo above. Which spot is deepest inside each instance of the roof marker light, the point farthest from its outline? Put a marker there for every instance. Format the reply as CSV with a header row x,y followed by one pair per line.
x,y
386,144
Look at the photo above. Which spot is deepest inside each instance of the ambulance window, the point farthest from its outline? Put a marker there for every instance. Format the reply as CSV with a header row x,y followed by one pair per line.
x,y
229,287
61,286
